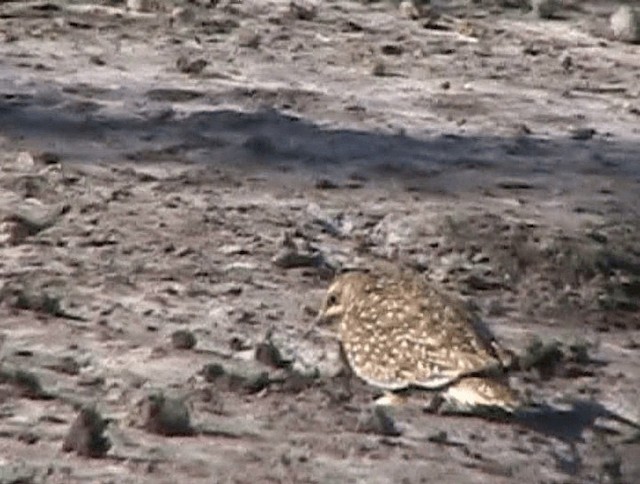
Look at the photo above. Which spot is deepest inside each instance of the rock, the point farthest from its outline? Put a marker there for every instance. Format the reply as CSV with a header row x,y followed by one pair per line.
x,y
236,378
164,415
25,161
182,14
392,49
183,339
291,259
30,299
91,380
212,371
85,437
544,358
189,66
289,256
295,455
295,381
246,380
379,69
249,38
19,473
246,317
141,5
28,437
545,9
440,437
625,24
481,282
67,365
26,383
47,158
233,249
325,184
377,420
29,221
237,343
97,60
269,354
415,9
303,10
582,134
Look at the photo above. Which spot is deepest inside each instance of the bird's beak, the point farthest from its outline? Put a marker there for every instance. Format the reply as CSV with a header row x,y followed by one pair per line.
x,y
321,319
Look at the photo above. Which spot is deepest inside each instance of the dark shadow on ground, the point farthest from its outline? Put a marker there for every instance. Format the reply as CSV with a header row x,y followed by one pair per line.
x,y
569,426
89,128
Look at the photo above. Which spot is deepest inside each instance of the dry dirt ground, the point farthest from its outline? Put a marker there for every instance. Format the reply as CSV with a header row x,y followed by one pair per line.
x,y
176,191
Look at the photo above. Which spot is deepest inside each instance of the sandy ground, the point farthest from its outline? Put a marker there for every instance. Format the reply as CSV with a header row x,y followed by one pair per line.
x,y
176,191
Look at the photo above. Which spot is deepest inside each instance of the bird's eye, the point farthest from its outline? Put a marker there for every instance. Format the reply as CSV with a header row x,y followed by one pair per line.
x,y
332,300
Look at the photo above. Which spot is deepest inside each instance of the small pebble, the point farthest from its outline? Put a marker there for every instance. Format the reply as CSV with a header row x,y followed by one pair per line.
x,y
182,14
239,379
85,437
188,66
379,69
325,184
377,420
249,38
183,339
165,415
140,5
545,9
303,10
582,134
269,354
625,24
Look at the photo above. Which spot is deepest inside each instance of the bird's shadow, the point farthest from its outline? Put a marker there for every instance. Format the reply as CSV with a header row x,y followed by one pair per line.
x,y
569,424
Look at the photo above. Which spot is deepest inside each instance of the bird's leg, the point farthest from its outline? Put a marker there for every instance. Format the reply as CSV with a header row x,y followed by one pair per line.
x,y
345,375
434,404
345,378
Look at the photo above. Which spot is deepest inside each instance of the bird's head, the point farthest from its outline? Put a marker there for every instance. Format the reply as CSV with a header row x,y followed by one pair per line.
x,y
342,291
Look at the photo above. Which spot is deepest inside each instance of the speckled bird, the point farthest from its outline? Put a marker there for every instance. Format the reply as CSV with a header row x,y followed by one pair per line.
x,y
399,332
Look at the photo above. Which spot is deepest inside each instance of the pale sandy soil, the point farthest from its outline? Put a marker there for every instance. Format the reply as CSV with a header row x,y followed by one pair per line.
x,y
495,152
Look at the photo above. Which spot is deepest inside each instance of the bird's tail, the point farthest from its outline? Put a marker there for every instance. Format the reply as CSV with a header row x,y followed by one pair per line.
x,y
476,395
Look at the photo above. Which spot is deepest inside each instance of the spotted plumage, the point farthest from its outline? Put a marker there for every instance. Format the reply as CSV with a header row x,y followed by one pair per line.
x,y
399,332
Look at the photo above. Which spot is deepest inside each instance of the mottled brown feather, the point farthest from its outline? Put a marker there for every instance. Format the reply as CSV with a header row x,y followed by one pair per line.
x,y
399,332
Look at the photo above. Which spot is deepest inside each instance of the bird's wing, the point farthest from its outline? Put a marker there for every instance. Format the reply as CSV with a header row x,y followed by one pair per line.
x,y
405,333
